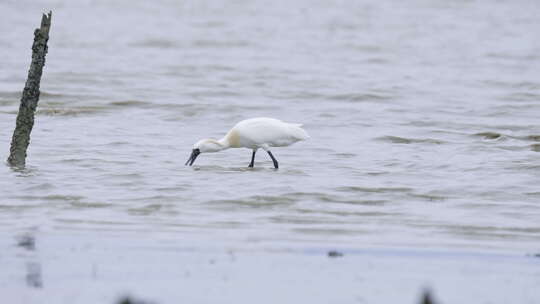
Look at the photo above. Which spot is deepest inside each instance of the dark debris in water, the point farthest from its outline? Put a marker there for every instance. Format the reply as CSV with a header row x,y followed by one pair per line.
x,y
427,298
334,254
131,300
27,242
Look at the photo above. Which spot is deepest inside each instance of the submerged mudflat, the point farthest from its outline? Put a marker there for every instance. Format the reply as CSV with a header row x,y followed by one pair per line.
x,y
422,168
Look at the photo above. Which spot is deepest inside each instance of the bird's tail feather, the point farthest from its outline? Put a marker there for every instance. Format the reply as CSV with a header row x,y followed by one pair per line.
x,y
298,132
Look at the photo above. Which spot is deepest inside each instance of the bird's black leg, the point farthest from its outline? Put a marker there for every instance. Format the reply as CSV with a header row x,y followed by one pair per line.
x,y
252,163
273,159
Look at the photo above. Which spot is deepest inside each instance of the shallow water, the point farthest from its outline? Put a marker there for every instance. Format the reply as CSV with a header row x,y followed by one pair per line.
x,y
423,118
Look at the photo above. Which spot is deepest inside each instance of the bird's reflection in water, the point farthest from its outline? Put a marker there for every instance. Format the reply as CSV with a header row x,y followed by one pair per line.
x,y
33,269
33,275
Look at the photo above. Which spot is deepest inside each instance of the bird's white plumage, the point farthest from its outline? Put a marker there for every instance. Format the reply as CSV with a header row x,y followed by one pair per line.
x,y
265,132
254,133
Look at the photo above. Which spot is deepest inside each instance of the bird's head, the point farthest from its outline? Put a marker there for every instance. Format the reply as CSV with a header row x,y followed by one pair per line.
x,y
203,146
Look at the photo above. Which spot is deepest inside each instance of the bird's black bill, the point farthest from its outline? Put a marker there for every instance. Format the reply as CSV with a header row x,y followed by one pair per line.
x,y
193,156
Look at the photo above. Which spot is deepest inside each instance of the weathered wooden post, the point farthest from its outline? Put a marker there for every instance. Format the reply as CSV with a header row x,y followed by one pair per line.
x,y
30,96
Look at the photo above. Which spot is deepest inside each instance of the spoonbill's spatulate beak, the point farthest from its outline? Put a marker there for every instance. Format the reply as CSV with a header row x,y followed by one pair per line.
x,y
193,156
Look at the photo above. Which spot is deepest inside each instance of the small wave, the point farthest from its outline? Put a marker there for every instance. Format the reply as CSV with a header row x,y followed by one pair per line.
x,y
40,187
403,140
428,197
329,198
10,95
345,97
363,202
52,197
244,168
154,43
9,112
209,24
491,231
524,167
373,189
20,207
328,115
366,48
146,210
513,148
533,137
213,93
521,96
52,95
173,189
130,103
84,205
420,123
515,127
218,68
27,171
488,135
94,222
527,85
377,60
535,147
360,97
329,231
50,111
78,160
510,56
220,44
257,201
345,155
9,98
124,176
116,143
196,71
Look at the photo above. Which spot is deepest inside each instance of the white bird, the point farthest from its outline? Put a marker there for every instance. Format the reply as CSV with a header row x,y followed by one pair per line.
x,y
253,134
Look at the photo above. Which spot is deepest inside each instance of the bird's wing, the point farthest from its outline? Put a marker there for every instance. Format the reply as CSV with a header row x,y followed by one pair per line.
x,y
270,131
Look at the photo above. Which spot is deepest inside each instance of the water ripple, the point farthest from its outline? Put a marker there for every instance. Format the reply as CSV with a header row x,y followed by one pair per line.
x,y
404,140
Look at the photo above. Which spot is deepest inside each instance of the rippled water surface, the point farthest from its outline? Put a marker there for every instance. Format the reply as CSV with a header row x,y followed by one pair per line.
x,y
423,116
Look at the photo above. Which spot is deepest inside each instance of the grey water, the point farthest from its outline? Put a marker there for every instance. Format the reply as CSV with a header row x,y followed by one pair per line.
x,y
424,151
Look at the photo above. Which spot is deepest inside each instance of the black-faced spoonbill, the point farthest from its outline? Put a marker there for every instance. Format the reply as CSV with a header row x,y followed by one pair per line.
x,y
253,134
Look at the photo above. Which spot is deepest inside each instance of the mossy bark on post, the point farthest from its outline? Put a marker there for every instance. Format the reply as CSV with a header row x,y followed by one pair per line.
x,y
30,96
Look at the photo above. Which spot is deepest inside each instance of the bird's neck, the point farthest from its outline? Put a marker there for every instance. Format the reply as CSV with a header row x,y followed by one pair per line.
x,y
231,140
223,143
